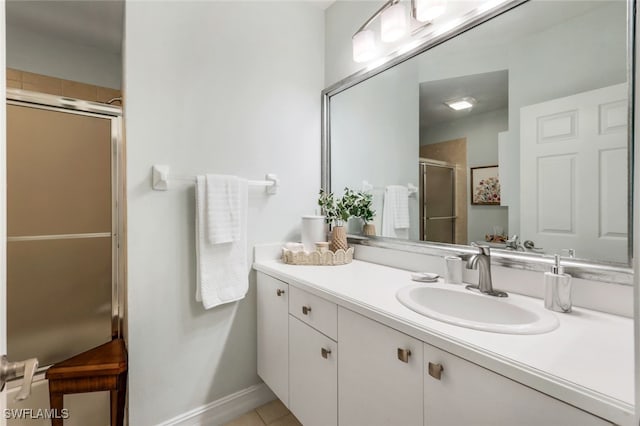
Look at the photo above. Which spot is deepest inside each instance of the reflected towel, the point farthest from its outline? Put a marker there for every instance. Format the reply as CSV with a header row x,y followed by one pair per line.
x,y
395,212
222,275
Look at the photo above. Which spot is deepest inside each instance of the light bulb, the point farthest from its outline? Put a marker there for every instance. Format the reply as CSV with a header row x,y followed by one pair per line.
x,y
393,23
428,10
364,46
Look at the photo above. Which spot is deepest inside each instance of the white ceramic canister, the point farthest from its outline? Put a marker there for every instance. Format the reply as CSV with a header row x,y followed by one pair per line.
x,y
314,230
453,270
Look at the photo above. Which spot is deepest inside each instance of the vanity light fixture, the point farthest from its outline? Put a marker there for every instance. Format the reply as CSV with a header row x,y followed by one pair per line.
x,y
394,24
364,46
461,104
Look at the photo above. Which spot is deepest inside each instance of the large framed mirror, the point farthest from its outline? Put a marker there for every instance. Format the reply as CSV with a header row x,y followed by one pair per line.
x,y
513,127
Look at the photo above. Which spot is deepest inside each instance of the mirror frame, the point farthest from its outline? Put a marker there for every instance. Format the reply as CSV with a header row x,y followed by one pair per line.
x,y
611,272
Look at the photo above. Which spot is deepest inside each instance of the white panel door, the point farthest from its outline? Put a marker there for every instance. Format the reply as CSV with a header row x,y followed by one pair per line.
x,y
573,176
273,335
313,375
466,394
376,386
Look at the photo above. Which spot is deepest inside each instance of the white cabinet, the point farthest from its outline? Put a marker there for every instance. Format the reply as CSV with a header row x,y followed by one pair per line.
x,y
467,394
380,374
273,335
313,381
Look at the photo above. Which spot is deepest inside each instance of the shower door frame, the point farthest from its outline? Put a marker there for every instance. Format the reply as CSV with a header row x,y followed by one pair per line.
x,y
423,214
63,104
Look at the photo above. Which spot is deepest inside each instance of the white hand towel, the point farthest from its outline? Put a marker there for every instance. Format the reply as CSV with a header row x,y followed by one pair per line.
x,y
222,275
222,207
395,212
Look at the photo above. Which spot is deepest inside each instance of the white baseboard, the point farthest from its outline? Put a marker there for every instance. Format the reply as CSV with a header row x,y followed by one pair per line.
x,y
224,409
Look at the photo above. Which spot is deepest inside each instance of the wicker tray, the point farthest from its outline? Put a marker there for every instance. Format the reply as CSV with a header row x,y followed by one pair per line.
x,y
327,258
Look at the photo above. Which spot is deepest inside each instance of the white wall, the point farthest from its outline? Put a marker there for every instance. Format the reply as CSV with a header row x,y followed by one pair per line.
x,y
374,134
28,51
481,132
218,87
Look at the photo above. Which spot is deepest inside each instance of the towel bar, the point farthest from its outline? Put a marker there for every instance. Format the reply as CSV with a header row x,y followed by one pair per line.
x,y
160,178
367,187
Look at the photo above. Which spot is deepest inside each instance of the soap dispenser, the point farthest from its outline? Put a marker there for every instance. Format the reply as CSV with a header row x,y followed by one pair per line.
x,y
557,296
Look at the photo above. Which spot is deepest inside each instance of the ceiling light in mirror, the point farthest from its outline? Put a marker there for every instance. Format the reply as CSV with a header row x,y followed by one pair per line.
x,y
393,23
428,10
364,46
461,104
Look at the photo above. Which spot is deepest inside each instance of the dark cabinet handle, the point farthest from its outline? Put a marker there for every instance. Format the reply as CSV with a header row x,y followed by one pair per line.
x,y
279,292
435,370
325,353
306,310
404,354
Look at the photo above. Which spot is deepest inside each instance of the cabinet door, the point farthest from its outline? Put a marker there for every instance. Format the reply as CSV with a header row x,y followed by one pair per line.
x,y
273,335
467,394
313,371
377,387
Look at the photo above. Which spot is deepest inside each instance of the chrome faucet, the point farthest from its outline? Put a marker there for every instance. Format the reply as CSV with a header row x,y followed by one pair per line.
x,y
514,243
482,262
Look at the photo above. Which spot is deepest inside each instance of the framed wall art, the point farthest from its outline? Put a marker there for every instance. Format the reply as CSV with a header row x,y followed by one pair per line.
x,y
485,186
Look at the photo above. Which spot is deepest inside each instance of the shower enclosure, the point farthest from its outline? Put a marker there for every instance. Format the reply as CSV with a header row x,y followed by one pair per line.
x,y
437,201
63,226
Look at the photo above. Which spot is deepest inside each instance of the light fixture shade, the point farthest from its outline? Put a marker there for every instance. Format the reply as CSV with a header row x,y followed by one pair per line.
x,y
393,23
364,46
428,10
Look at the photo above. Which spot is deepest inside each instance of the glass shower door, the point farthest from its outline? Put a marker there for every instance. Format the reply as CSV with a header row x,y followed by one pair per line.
x,y
59,232
437,185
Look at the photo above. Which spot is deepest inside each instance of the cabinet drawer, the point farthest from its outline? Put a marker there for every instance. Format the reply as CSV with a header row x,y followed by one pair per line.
x,y
315,311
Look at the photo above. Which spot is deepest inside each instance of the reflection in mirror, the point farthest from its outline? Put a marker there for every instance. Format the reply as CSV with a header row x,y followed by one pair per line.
x,y
514,131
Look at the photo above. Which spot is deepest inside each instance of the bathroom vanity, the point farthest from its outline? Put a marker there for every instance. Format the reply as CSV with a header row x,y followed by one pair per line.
x,y
337,347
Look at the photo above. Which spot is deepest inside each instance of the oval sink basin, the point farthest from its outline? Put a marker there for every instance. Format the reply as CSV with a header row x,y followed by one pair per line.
x,y
465,308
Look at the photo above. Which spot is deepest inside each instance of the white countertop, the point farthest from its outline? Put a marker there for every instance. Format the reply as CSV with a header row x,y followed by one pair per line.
x,y
587,361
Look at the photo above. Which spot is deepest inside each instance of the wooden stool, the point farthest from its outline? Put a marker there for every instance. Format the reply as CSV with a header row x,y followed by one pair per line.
x,y
99,369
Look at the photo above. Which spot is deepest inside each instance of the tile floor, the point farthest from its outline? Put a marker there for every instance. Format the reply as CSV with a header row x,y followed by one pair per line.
x,y
273,413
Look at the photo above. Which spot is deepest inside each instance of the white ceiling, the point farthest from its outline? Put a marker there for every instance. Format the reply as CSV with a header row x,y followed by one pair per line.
x,y
490,90
89,22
